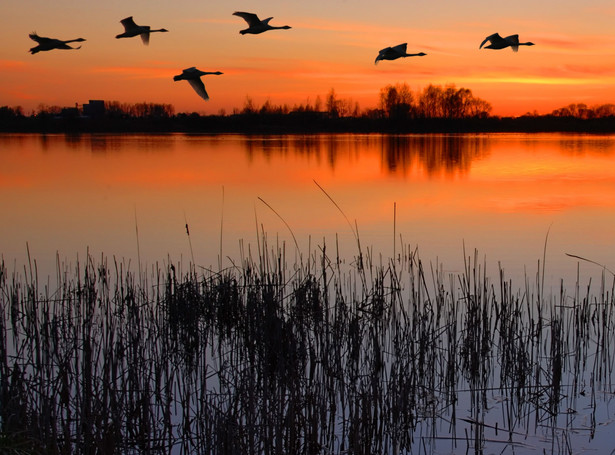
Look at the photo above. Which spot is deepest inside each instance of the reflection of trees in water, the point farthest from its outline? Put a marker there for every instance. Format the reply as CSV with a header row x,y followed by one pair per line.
x,y
324,148
266,146
580,145
435,154
104,143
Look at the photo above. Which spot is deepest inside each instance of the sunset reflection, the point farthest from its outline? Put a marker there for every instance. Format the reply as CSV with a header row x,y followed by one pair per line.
x,y
500,194
436,155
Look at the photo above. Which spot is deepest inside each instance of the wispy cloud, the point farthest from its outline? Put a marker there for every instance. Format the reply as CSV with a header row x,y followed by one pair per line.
x,y
588,43
602,70
12,65
135,72
201,20
536,80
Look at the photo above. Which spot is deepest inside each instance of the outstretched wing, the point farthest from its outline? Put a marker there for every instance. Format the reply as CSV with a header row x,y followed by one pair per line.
x,y
401,48
492,38
199,88
145,37
128,23
39,39
514,42
250,18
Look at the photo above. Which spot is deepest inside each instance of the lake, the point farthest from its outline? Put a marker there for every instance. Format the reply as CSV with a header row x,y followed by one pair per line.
x,y
394,334
130,197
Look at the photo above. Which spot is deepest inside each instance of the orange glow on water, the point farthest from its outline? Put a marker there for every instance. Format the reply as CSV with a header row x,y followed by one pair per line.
x,y
500,194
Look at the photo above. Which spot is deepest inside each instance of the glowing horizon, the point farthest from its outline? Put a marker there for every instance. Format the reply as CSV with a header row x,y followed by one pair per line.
x,y
330,46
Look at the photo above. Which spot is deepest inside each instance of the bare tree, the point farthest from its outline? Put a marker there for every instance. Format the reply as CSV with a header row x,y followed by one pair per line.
x,y
397,101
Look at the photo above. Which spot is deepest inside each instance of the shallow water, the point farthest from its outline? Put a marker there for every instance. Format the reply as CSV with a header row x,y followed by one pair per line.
x,y
130,197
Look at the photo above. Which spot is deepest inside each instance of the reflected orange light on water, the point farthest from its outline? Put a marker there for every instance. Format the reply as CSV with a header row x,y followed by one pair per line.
x,y
500,194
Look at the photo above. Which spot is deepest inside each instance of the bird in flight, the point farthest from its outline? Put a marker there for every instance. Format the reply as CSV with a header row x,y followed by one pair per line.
x,y
255,25
497,42
395,52
47,44
193,76
131,29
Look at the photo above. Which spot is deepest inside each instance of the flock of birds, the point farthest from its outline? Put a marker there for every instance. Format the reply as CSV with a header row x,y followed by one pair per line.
x,y
255,27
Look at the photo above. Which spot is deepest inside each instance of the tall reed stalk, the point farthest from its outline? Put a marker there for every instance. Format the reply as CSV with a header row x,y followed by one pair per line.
x,y
325,356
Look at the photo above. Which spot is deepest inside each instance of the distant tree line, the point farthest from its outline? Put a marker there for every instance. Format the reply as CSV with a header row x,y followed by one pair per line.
x,y
114,109
332,107
139,110
449,102
432,109
582,111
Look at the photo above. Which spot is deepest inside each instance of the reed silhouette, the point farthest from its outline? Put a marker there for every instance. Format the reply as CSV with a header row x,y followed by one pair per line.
x,y
332,355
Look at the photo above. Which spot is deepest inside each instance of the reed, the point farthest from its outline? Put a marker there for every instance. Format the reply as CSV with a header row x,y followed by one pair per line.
x,y
321,356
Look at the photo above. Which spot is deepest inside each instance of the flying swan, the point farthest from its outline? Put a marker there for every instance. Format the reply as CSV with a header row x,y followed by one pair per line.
x,y
497,42
47,44
193,76
255,25
395,52
131,29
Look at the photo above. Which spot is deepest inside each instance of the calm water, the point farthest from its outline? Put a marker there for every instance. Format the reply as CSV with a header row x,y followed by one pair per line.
x,y
130,197
506,196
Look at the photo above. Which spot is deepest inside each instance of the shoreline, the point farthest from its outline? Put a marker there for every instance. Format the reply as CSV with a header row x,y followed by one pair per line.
x,y
304,123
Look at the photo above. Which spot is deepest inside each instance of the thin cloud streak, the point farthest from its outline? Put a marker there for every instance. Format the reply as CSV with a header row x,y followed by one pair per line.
x,y
134,72
333,46
12,65
534,80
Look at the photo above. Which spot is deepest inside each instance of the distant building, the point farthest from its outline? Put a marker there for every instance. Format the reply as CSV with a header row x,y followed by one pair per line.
x,y
69,112
95,108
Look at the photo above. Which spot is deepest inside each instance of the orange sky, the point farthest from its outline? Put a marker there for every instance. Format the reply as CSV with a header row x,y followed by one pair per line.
x,y
330,45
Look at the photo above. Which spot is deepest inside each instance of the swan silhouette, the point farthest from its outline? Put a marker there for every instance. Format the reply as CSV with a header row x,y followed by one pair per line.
x,y
497,42
131,29
255,25
47,44
395,52
193,76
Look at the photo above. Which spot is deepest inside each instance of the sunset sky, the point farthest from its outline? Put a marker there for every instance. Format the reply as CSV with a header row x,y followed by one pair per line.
x,y
332,44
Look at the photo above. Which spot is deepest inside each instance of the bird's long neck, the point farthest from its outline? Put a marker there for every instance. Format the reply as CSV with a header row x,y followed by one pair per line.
x,y
72,40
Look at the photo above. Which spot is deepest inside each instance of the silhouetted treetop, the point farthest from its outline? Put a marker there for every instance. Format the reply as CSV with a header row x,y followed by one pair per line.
x,y
434,101
435,108
582,111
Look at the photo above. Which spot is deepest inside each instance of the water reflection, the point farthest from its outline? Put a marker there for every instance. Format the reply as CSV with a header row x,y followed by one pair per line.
x,y
96,143
497,193
587,144
437,154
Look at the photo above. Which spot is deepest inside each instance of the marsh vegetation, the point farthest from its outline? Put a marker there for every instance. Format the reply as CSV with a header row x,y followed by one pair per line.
x,y
320,354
